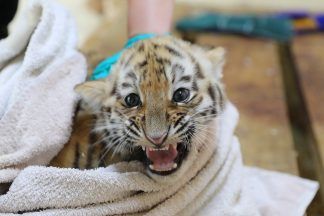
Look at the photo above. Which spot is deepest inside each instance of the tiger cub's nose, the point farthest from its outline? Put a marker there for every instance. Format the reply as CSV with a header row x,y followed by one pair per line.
x,y
157,140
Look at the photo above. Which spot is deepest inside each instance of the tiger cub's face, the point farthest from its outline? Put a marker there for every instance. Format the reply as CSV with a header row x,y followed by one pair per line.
x,y
161,94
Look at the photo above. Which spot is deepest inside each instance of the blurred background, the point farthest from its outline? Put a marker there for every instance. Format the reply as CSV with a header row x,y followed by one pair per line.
x,y
276,83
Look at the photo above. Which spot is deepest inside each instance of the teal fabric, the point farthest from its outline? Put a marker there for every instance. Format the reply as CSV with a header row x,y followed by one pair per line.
x,y
271,27
103,68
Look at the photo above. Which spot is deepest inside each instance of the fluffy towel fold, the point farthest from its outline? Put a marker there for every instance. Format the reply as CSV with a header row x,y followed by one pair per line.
x,y
39,67
36,106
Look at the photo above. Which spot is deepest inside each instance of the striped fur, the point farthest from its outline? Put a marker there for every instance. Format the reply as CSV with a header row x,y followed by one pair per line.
x,y
153,69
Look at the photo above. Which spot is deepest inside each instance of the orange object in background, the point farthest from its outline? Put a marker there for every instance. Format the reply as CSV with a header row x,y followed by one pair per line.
x,y
305,24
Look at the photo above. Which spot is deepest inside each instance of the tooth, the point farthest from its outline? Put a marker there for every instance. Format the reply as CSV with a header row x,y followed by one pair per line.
x,y
175,165
165,148
151,167
143,147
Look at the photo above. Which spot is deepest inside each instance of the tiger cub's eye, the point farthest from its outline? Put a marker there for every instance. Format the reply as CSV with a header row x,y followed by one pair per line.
x,y
132,100
181,95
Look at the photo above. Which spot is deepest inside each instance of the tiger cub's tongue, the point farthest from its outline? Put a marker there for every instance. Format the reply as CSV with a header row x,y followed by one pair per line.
x,y
162,160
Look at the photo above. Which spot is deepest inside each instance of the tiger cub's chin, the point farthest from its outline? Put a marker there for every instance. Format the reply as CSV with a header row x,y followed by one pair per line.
x,y
160,95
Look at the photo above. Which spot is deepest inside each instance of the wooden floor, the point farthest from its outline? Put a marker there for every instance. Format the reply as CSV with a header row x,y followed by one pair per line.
x,y
268,130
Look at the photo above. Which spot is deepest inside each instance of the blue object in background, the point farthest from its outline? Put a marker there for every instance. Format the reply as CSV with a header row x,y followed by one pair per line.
x,y
320,22
276,28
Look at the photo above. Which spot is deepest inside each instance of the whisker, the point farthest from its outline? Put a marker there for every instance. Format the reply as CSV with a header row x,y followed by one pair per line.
x,y
108,148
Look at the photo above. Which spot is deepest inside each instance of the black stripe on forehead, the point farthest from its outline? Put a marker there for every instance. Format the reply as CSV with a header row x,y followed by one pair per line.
x,y
173,77
126,85
140,50
131,56
197,68
114,89
158,71
163,61
186,78
142,64
195,86
197,71
131,75
173,51
177,68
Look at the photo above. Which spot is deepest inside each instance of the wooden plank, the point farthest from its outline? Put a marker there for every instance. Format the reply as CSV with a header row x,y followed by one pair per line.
x,y
309,59
309,54
253,83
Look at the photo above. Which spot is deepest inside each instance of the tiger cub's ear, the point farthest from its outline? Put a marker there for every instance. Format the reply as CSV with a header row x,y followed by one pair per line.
x,y
94,93
217,58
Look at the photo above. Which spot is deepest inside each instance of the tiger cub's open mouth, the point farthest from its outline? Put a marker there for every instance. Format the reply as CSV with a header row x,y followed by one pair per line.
x,y
166,160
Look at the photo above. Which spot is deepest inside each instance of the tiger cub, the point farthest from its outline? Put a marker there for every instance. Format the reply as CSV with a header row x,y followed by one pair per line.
x,y
160,94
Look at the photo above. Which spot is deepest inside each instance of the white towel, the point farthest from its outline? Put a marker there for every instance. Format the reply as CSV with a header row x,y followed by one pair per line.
x,y
39,67
212,182
35,114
